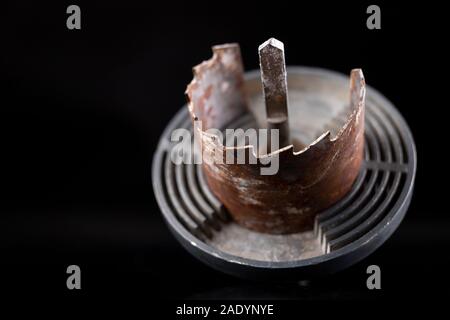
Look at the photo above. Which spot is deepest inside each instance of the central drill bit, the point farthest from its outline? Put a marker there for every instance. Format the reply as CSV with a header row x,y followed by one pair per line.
x,y
274,81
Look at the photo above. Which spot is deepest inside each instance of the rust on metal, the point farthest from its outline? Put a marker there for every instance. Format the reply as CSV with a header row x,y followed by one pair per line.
x,y
308,181
216,92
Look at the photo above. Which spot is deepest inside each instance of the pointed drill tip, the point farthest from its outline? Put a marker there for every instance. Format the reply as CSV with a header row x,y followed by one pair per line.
x,y
357,87
357,76
272,42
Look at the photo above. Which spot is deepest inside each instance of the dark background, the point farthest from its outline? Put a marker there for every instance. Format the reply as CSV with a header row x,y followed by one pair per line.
x,y
82,112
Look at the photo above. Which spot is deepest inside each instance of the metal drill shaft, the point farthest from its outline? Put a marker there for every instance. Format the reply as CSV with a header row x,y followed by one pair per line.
x,y
274,81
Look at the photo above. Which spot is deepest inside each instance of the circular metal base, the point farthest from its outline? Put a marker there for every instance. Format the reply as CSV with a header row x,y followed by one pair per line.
x,y
343,234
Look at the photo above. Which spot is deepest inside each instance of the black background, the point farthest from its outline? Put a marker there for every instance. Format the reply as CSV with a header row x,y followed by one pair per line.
x,y
82,112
